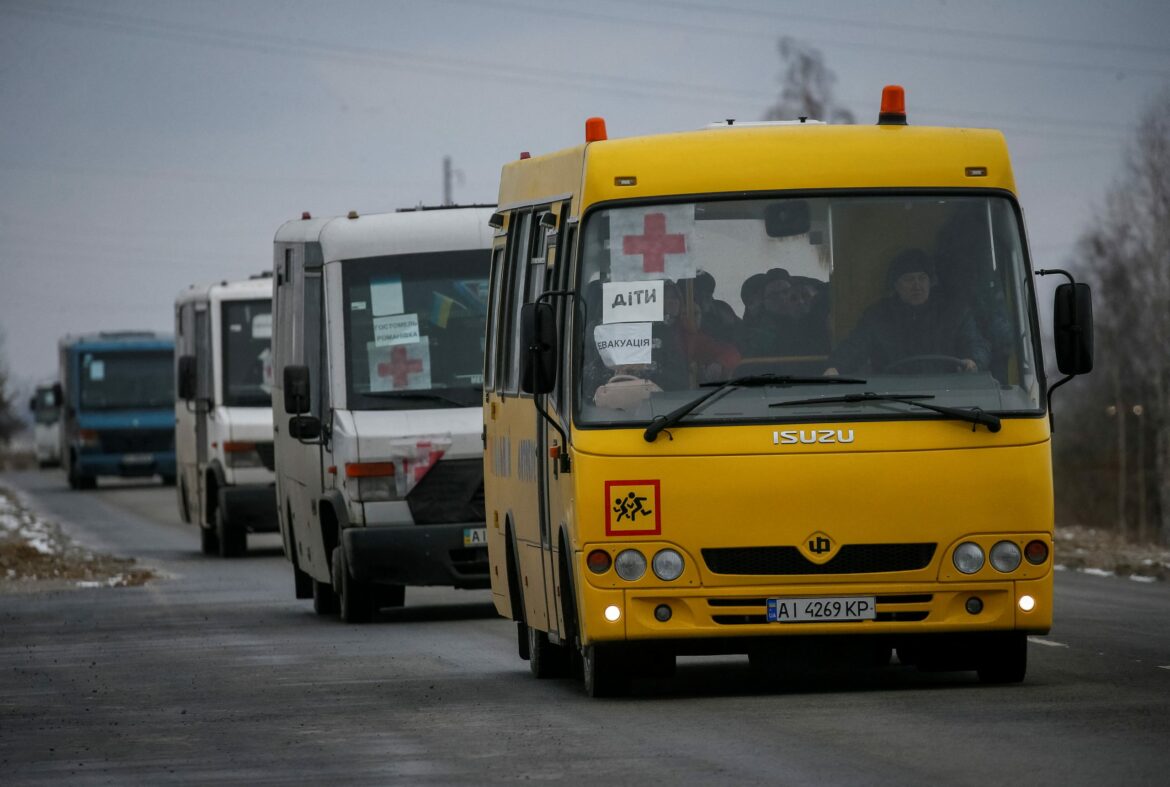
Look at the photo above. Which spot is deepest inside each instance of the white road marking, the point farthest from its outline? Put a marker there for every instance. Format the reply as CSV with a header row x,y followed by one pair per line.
x,y
1164,666
1049,642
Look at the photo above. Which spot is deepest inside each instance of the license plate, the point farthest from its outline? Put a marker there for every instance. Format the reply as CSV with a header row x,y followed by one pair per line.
x,y
803,610
137,459
475,536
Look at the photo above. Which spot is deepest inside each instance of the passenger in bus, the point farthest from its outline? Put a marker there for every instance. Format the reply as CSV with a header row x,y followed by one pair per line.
x,y
719,320
912,329
751,292
786,324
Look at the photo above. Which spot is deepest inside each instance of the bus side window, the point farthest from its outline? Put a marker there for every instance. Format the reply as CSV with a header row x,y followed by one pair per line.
x,y
518,236
490,361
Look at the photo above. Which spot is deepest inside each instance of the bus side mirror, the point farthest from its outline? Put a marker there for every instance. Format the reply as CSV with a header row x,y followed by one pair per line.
x,y
186,384
296,390
58,395
1072,322
538,342
304,427
32,404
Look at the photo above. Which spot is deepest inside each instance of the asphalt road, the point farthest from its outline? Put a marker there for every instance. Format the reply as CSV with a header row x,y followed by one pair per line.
x,y
216,674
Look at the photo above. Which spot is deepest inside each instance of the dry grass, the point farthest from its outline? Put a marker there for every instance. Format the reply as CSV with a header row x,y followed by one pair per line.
x,y
1079,548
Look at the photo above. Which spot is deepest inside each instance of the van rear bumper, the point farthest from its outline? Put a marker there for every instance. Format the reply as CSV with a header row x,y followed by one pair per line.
x,y
251,505
416,555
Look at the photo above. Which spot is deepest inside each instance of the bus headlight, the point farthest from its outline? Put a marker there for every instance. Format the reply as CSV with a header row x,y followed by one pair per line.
x,y
1005,556
968,557
630,564
667,565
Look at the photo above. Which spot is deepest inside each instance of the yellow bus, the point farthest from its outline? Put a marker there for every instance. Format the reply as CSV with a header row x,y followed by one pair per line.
x,y
774,389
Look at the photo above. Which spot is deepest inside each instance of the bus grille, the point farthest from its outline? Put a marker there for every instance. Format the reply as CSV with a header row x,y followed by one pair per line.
x,y
852,559
450,492
267,455
137,441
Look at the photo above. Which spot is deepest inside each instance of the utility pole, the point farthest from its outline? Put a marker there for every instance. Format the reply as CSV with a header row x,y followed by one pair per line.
x,y
447,173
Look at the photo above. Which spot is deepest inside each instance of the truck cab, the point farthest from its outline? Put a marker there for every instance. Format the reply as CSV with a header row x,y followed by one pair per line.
x,y
223,412
116,394
378,351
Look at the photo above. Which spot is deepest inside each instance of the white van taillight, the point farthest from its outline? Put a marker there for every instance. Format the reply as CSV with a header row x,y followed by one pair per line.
x,y
371,481
238,455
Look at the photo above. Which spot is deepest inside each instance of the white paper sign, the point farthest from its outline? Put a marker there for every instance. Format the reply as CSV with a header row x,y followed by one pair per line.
x,y
262,326
652,243
632,301
402,367
623,343
266,376
97,370
386,296
396,329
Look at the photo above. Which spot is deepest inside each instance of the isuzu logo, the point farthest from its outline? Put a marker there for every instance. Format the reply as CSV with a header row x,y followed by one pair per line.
x,y
810,436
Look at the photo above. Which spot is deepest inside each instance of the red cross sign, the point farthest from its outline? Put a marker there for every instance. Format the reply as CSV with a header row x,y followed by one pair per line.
x,y
654,244
399,366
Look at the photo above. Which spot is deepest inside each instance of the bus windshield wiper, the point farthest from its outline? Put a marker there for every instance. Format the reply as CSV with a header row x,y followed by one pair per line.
x,y
754,380
972,415
421,395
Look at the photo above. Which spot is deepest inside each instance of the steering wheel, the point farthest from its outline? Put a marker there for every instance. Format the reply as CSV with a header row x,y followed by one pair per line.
x,y
945,363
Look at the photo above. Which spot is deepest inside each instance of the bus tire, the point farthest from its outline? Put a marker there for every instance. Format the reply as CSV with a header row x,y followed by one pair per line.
x,y
389,596
233,539
545,659
604,671
302,583
208,540
324,599
355,600
1003,659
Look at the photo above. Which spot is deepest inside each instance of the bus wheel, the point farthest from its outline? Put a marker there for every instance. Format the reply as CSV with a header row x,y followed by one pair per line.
x,y
302,583
233,539
604,672
389,596
324,599
208,540
545,659
1004,658
168,480
355,600
522,640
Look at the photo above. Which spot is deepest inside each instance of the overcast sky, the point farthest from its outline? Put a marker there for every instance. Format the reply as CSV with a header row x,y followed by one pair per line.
x,y
151,144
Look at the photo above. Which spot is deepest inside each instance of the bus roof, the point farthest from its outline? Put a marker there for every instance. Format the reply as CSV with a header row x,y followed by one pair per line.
x,y
253,288
756,158
406,232
118,340
300,230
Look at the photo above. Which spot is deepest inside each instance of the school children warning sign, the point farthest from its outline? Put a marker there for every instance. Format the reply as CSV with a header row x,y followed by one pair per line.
x,y
652,243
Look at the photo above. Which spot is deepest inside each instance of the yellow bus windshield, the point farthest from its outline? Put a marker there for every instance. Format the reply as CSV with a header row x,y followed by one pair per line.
x,y
916,294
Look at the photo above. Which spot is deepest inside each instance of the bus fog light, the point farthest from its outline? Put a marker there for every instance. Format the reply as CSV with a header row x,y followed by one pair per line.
x,y
974,605
1005,556
968,557
662,613
1027,603
667,565
612,613
630,564
1036,552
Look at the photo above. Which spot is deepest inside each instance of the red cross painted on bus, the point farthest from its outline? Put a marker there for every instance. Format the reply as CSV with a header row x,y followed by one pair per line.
x,y
399,366
655,244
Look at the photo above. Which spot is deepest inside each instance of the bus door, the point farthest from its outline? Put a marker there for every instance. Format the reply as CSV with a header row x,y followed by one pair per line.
x,y
549,273
204,401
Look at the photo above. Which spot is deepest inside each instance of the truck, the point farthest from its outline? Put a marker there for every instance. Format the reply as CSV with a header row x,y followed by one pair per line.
x,y
223,412
116,392
378,346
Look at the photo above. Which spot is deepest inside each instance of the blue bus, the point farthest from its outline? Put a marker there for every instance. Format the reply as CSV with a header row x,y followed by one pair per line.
x,y
116,393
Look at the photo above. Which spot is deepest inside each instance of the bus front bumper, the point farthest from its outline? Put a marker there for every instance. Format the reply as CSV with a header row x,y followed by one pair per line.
x,y
126,465
416,555
725,615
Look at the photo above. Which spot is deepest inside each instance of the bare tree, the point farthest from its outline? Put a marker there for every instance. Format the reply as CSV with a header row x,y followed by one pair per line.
x,y
1124,422
806,86
10,422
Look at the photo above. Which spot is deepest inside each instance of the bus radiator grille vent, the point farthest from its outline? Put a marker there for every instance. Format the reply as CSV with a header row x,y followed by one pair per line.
x,y
450,492
267,455
786,561
137,441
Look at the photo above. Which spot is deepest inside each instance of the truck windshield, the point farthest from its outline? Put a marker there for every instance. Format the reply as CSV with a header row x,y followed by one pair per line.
x,y
127,380
414,323
247,351
926,294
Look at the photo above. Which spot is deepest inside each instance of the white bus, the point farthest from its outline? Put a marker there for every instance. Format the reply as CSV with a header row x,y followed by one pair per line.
x,y
46,426
378,346
223,412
